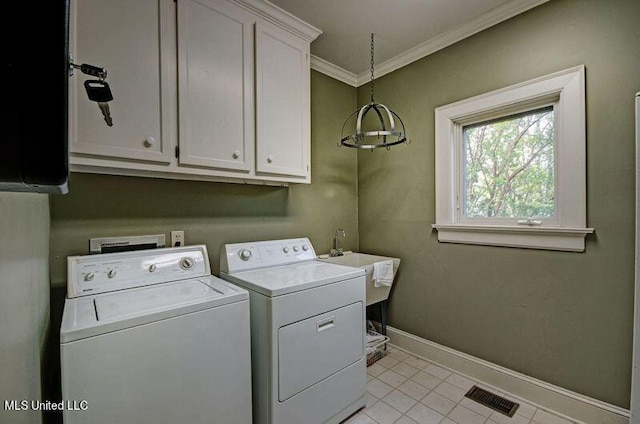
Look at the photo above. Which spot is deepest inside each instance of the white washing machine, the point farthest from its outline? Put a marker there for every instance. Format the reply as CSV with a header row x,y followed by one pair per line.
x,y
151,337
307,330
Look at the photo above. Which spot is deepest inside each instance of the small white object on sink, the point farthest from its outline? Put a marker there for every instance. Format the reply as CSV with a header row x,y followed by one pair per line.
x,y
366,261
382,273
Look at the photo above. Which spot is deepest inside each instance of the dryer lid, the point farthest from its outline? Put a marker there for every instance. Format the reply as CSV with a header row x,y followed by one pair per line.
x,y
279,280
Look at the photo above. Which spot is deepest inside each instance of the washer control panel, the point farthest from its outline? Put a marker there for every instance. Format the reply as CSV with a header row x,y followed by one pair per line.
x,y
261,254
92,274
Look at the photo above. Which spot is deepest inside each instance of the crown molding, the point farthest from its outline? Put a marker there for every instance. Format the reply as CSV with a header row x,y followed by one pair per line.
x,y
482,22
280,17
334,71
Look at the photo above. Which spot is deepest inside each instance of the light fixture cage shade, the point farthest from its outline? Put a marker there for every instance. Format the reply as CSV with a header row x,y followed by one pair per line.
x,y
389,132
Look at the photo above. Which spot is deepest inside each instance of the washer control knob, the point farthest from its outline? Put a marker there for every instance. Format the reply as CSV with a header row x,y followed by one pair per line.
x,y
305,247
112,273
245,254
152,268
296,248
186,263
285,249
89,276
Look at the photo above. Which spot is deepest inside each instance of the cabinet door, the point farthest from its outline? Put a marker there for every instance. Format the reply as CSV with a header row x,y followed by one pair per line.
x,y
283,102
128,38
215,84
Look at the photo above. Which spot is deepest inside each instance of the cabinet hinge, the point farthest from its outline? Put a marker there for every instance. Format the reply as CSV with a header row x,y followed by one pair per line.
x,y
177,152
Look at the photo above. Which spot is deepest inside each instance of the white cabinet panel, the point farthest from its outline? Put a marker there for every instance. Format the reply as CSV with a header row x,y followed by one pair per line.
x,y
215,90
215,84
126,37
283,102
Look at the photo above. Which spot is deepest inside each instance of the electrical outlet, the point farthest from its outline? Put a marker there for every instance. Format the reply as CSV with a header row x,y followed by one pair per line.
x,y
177,238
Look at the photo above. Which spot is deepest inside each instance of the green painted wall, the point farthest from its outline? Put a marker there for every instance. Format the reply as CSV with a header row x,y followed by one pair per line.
x,y
217,213
565,318
24,302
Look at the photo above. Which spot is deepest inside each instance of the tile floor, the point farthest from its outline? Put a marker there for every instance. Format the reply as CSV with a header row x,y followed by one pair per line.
x,y
403,389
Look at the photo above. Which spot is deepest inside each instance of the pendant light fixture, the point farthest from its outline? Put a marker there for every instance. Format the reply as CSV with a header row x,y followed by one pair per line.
x,y
386,135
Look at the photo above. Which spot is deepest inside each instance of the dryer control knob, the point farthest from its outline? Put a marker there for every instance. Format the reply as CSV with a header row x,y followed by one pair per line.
x,y
152,268
89,276
285,249
305,247
186,263
295,248
245,254
112,273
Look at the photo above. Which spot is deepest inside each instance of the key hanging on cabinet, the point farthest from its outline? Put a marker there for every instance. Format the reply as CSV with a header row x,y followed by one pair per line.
x,y
100,92
97,90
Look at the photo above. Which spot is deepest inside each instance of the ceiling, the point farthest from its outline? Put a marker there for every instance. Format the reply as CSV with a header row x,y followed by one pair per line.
x,y
398,25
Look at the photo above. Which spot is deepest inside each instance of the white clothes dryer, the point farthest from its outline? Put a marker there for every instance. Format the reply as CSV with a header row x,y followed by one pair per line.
x,y
151,337
307,330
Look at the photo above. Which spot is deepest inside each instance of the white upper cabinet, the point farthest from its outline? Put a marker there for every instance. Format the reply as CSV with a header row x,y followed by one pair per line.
x,y
215,90
283,102
125,37
215,84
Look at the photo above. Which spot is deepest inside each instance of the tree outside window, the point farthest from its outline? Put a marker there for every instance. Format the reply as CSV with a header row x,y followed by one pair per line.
x,y
509,167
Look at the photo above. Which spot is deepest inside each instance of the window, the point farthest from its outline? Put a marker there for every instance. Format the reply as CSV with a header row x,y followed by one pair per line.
x,y
510,166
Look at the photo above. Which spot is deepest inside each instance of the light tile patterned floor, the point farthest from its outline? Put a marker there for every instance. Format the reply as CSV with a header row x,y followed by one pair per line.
x,y
403,389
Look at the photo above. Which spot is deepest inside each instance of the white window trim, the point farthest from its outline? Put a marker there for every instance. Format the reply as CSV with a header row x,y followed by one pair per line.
x,y
567,88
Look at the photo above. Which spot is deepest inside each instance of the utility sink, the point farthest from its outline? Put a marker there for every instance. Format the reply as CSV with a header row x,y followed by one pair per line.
x,y
365,261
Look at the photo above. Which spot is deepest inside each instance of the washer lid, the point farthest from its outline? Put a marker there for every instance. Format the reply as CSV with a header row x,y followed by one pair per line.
x,y
93,315
279,280
122,304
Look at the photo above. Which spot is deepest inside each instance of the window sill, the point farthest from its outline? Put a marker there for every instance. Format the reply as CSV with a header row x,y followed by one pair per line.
x,y
546,238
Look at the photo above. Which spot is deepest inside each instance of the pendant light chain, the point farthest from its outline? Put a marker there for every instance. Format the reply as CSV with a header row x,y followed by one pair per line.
x,y
372,63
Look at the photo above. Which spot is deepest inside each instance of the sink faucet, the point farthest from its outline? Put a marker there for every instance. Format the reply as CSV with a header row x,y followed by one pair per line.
x,y
337,251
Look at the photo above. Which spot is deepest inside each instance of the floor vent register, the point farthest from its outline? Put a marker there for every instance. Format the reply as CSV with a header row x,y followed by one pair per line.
x,y
493,401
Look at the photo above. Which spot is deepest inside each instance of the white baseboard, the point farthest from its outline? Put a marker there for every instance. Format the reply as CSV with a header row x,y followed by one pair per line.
x,y
545,395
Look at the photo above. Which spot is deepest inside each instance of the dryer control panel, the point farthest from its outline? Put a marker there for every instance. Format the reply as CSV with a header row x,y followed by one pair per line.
x,y
261,254
92,274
